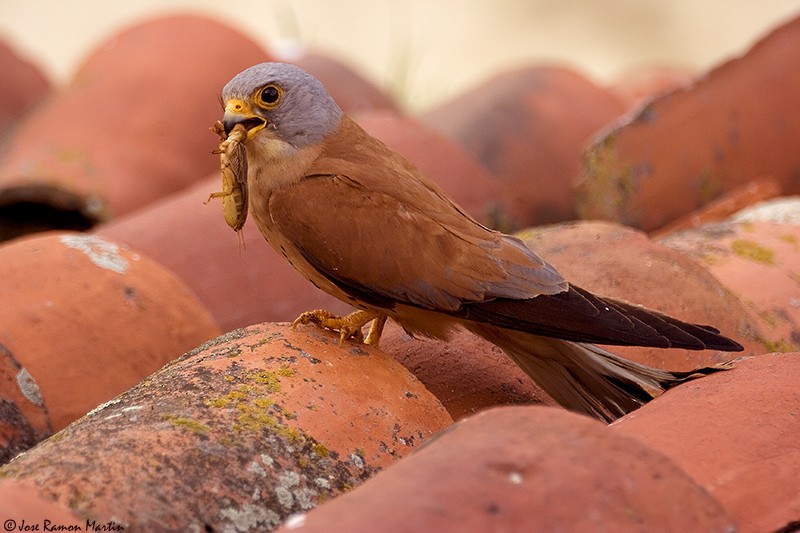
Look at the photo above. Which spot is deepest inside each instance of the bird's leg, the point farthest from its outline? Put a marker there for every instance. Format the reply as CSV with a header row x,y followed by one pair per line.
x,y
375,331
348,326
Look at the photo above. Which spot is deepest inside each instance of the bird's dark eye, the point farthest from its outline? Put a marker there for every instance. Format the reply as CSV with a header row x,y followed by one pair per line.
x,y
269,96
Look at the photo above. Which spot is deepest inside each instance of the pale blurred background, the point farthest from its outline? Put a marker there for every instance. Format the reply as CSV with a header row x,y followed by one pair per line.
x,y
423,51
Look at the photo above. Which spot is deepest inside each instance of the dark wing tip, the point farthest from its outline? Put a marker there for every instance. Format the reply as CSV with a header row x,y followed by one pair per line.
x,y
578,315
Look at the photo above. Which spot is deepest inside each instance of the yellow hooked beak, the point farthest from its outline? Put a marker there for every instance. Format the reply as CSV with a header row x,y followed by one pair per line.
x,y
239,112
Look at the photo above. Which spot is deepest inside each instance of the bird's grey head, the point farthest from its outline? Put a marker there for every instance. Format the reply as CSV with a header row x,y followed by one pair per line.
x,y
282,101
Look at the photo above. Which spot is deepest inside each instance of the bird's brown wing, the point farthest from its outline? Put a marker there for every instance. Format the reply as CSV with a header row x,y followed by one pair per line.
x,y
370,223
383,251
580,316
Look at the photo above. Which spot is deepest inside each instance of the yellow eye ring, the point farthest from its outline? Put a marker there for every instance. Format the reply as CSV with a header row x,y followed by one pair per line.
x,y
269,96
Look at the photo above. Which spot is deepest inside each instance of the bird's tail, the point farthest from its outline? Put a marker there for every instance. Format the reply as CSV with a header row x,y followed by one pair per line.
x,y
583,377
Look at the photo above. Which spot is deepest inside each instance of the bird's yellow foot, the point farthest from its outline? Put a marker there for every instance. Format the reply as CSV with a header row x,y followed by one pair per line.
x,y
348,326
375,331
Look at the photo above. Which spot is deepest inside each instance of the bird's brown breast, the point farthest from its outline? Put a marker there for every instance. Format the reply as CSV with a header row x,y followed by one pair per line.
x,y
272,166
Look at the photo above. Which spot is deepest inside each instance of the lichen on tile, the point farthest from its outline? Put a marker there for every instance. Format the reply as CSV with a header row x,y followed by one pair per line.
x,y
29,387
102,253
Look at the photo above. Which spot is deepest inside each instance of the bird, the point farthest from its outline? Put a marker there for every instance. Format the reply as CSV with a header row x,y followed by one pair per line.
x,y
363,224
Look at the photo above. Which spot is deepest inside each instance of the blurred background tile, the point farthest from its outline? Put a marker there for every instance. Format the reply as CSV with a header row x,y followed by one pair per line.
x,y
426,50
